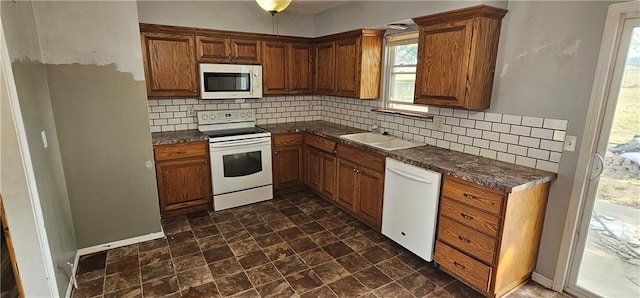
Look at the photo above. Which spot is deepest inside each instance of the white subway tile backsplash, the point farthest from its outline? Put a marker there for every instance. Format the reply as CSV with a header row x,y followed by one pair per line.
x,y
511,119
483,125
551,145
499,127
476,115
532,121
542,133
493,117
520,130
555,124
525,161
485,134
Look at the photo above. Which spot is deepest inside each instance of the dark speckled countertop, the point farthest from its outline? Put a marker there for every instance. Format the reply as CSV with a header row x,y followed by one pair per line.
x,y
483,171
175,137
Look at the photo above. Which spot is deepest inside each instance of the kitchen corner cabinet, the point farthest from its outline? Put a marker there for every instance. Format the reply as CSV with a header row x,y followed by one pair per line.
x,y
287,160
286,68
184,177
356,64
325,64
360,184
321,166
487,238
457,53
212,49
169,64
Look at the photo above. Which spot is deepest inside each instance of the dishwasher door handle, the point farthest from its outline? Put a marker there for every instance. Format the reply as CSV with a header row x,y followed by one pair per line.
x,y
408,176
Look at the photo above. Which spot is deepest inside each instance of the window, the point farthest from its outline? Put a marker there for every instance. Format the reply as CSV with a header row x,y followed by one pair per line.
x,y
400,70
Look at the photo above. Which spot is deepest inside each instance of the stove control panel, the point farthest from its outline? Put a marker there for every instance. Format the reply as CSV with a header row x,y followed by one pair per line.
x,y
225,116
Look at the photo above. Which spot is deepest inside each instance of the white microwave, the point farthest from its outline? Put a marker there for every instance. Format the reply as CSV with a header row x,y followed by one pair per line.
x,y
223,81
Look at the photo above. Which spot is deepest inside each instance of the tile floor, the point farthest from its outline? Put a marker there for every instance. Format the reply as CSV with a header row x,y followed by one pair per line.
x,y
297,245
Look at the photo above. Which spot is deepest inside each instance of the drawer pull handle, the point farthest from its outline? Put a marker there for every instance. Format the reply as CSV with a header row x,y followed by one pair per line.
x,y
466,216
470,197
459,265
181,152
465,240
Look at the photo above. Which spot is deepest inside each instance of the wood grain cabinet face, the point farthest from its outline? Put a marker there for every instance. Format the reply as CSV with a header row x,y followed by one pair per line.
x,y
183,176
325,68
348,67
286,68
314,169
487,238
287,160
170,65
457,53
211,49
347,184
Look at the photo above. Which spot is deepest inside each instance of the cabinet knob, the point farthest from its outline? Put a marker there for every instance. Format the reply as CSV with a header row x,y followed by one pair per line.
x,y
275,153
354,93
459,265
466,216
354,170
465,240
206,162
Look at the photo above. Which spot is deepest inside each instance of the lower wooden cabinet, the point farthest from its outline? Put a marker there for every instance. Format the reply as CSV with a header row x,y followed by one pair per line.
x,y
320,169
489,239
184,177
287,160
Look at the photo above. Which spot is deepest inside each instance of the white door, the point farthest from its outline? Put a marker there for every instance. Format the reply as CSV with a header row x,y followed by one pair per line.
x,y
606,258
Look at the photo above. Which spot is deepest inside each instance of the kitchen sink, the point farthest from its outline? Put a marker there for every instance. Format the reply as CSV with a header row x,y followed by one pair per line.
x,y
381,141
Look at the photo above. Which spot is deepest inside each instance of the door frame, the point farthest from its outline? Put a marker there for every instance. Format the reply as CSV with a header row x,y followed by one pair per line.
x,y
616,15
31,262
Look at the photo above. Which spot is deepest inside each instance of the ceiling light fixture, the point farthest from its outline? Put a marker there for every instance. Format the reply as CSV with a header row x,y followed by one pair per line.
x,y
274,6
398,26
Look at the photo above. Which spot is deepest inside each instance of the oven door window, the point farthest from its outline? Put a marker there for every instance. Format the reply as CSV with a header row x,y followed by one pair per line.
x,y
242,164
226,82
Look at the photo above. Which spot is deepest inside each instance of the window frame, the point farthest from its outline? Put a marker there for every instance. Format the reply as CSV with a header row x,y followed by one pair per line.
x,y
391,41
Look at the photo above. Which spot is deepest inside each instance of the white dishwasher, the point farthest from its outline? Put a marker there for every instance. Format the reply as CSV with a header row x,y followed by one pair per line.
x,y
410,209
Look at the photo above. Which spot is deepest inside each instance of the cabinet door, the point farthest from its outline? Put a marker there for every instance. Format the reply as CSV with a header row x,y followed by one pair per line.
x,y
212,49
184,183
314,169
329,173
245,51
369,201
274,68
347,184
348,67
287,166
300,68
443,63
325,68
170,64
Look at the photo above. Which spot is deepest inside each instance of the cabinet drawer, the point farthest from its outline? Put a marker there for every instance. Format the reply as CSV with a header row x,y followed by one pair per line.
x,y
182,150
289,139
361,157
471,217
475,196
467,240
320,143
465,267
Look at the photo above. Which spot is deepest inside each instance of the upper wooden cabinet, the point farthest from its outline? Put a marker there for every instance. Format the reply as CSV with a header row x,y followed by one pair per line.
x,y
325,82
286,68
457,57
169,64
212,49
356,60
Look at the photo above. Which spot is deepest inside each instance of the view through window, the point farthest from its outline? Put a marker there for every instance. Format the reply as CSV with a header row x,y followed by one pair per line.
x,y
402,57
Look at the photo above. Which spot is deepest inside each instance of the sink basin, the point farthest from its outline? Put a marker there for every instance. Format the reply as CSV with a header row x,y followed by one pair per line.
x,y
381,141
367,137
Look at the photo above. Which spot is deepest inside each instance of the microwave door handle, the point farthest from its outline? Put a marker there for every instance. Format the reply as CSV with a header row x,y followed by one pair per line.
x,y
240,143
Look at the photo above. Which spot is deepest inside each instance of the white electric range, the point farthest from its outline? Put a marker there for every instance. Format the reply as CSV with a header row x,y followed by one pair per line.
x,y
240,156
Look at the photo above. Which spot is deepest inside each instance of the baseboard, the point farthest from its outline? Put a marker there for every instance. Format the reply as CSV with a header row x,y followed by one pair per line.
x,y
119,243
542,280
74,270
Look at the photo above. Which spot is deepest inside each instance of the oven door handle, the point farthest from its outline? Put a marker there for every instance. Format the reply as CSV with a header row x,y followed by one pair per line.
x,y
239,143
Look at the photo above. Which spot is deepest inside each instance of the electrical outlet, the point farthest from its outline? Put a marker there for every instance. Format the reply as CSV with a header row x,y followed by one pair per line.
x,y
570,143
191,112
45,143
438,123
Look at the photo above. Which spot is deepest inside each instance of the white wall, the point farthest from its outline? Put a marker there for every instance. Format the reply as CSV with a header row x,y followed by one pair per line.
x,y
243,16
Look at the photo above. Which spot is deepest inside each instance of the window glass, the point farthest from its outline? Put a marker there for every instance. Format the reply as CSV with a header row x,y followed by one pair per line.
x,y
400,70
